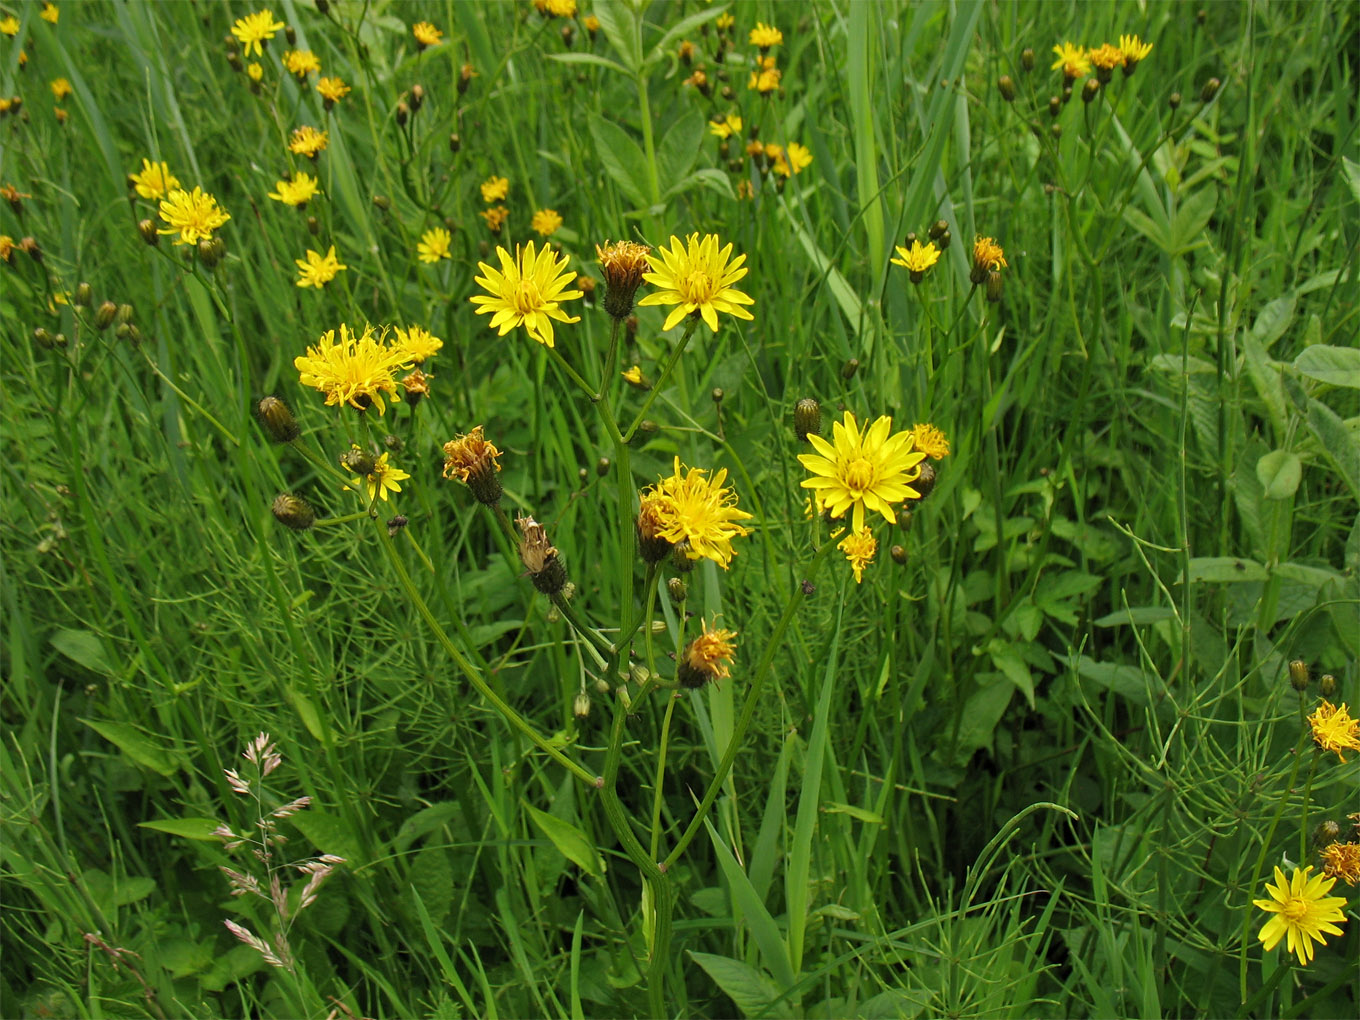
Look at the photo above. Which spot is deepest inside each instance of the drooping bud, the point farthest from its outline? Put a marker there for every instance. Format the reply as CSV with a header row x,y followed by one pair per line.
x,y
293,512
807,418
1006,87
540,557
148,231
1298,675
1210,90
277,420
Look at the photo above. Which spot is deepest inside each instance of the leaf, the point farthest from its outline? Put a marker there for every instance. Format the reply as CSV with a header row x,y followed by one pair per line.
x,y
424,822
1126,681
621,158
432,882
751,990
1339,366
590,58
570,840
1339,443
189,828
1013,668
1274,320
708,177
84,648
1352,169
857,813
329,834
1225,569
1135,616
1155,232
981,713
679,30
1191,218
136,745
619,24
1279,473
680,147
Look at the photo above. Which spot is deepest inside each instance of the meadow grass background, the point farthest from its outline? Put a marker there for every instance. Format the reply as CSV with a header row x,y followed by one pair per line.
x,y
1039,768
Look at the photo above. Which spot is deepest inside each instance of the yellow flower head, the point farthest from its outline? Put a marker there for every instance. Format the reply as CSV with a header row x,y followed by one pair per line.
x,y
434,245
50,14
418,343
1107,57
469,456
9,25
987,257
494,189
256,29
1342,860
800,157
426,34
859,471
494,217
527,290
1072,59
1301,910
633,377
624,263
308,141
1334,729
254,71
381,480
194,215
561,8
765,80
61,88
859,547
545,222
724,21
704,659
332,90
697,277
698,510
356,371
927,439
298,191
765,36
917,259
154,181
1134,50
317,270
727,127
301,62
591,23
6,247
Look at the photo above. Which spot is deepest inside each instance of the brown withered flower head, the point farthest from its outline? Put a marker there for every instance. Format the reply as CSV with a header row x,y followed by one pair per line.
x,y
623,263
540,557
472,460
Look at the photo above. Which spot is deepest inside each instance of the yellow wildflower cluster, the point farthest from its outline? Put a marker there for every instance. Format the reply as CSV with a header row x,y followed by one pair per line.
x,y
1076,61
357,369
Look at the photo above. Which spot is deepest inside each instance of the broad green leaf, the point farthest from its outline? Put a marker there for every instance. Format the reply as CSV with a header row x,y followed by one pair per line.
x,y
619,24
858,813
1301,573
136,745
432,882
189,828
424,822
1187,226
752,991
590,58
570,840
1225,569
1155,232
680,147
1013,668
622,159
1338,442
1339,366
329,834
1274,320
1127,681
1279,473
85,648
981,713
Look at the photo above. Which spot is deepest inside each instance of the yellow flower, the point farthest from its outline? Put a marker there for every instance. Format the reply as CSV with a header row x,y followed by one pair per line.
x,y
415,384
494,217
300,62
697,278
472,460
987,256
591,23
298,191
1072,59
623,264
50,13
1134,50
61,88
633,377
765,80
527,290
494,189
317,270
434,245
418,343
194,215
6,247
917,259
254,30
9,26
562,8
254,71
426,34
154,180
1106,57
332,90
700,511
725,128
860,548
800,157
546,222
927,439
381,480
723,21
356,371
1302,911
308,141
1334,729
859,471
765,36
704,658
1342,860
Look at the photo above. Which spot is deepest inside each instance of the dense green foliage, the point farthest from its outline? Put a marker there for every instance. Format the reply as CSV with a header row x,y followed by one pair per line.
x,y
1039,763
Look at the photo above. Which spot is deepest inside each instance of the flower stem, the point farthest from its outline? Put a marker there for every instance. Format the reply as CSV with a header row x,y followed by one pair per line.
x,y
661,380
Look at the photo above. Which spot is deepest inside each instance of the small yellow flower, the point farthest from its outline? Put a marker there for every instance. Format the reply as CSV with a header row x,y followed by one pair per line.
x,y
254,71
384,478
1106,57
1342,860
859,471
301,62
727,127
317,270
1134,50
332,90
633,377
1301,910
561,8
1334,729
765,36
494,189
917,259
426,34
591,23
9,26
6,247
356,371
154,181
765,80
723,21
800,157
704,659
50,14
61,88
254,30
697,277
527,290
194,215
434,245
308,141
418,343
927,439
859,547
494,217
987,256
699,511
546,222
1072,59
299,191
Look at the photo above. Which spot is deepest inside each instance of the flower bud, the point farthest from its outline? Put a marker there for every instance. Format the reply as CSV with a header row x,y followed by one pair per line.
x,y
103,315
29,245
1006,87
382,202
455,143
44,339
130,333
904,516
1055,131
602,467
937,230
648,425
680,558
581,706
1201,16
942,242
925,482
1327,685
1174,100
465,75
277,420
678,590
807,418
898,554
849,369
122,331
993,286
208,253
235,63
417,98
1298,675
1326,833
125,313
313,226
293,512
290,33
1210,90
1027,59
1067,94
717,394
323,7
396,524
630,326
1090,90
361,462
1054,106
148,231
568,34
651,546
84,295
403,113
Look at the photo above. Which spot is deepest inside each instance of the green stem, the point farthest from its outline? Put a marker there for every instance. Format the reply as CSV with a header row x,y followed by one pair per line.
x,y
661,380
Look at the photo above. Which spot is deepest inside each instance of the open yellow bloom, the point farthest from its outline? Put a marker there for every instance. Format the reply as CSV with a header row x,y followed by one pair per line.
x,y
869,470
254,30
765,36
9,25
494,189
384,478
301,62
1342,860
1134,50
800,157
154,181
545,222
308,141
527,290
332,89
426,34
494,217
418,343
61,88
317,270
927,439
50,14
688,507
298,191
917,259
194,215
727,127
706,657
697,278
1302,911
1072,59
434,245
356,371
1334,729
860,548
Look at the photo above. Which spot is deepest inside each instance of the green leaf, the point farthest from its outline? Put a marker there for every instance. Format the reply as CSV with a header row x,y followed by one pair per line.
x,y
1274,320
189,828
1187,226
432,882
424,822
619,24
136,745
622,159
1338,366
751,990
1225,569
981,713
1279,473
679,30
1127,681
1136,616
859,814
590,58
329,834
570,840
680,147
1154,231
85,648
1012,667
1339,443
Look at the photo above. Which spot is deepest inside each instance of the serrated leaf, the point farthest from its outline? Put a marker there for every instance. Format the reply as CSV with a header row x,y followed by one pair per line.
x,y
570,840
748,988
189,828
84,648
621,158
680,146
1339,366
1279,473
136,745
